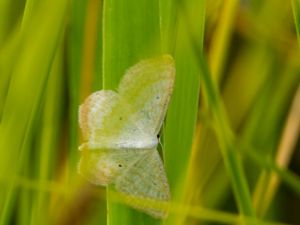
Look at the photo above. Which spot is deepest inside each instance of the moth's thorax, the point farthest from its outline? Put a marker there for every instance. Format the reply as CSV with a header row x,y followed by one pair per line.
x,y
147,143
144,144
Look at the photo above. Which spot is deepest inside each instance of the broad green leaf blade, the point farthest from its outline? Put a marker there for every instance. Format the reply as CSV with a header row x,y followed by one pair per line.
x,y
168,24
130,33
181,118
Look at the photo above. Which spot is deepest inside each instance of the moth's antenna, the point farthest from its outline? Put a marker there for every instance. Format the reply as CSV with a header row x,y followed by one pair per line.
x,y
159,140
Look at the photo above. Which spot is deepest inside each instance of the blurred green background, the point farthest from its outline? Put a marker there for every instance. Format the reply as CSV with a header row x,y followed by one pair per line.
x,y
231,142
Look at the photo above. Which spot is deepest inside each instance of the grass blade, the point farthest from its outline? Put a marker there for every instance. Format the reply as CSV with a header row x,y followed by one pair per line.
x,y
31,69
130,33
296,11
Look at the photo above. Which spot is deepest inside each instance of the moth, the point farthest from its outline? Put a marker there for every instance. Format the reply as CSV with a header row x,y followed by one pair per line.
x,y
120,131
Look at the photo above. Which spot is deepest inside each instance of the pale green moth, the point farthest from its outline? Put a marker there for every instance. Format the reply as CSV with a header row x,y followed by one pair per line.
x,y
120,132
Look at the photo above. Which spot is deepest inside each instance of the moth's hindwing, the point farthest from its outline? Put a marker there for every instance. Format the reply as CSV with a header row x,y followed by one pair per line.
x,y
145,179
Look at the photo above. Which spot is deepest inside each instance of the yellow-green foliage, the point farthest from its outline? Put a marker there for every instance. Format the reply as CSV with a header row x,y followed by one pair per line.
x,y
230,141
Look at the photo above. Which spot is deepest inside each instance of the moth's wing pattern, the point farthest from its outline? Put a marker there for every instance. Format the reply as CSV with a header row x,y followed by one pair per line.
x,y
103,166
108,122
94,109
147,87
121,128
145,178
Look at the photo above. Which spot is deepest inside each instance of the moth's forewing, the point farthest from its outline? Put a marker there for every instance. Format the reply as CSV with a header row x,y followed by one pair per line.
x,y
147,87
109,122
